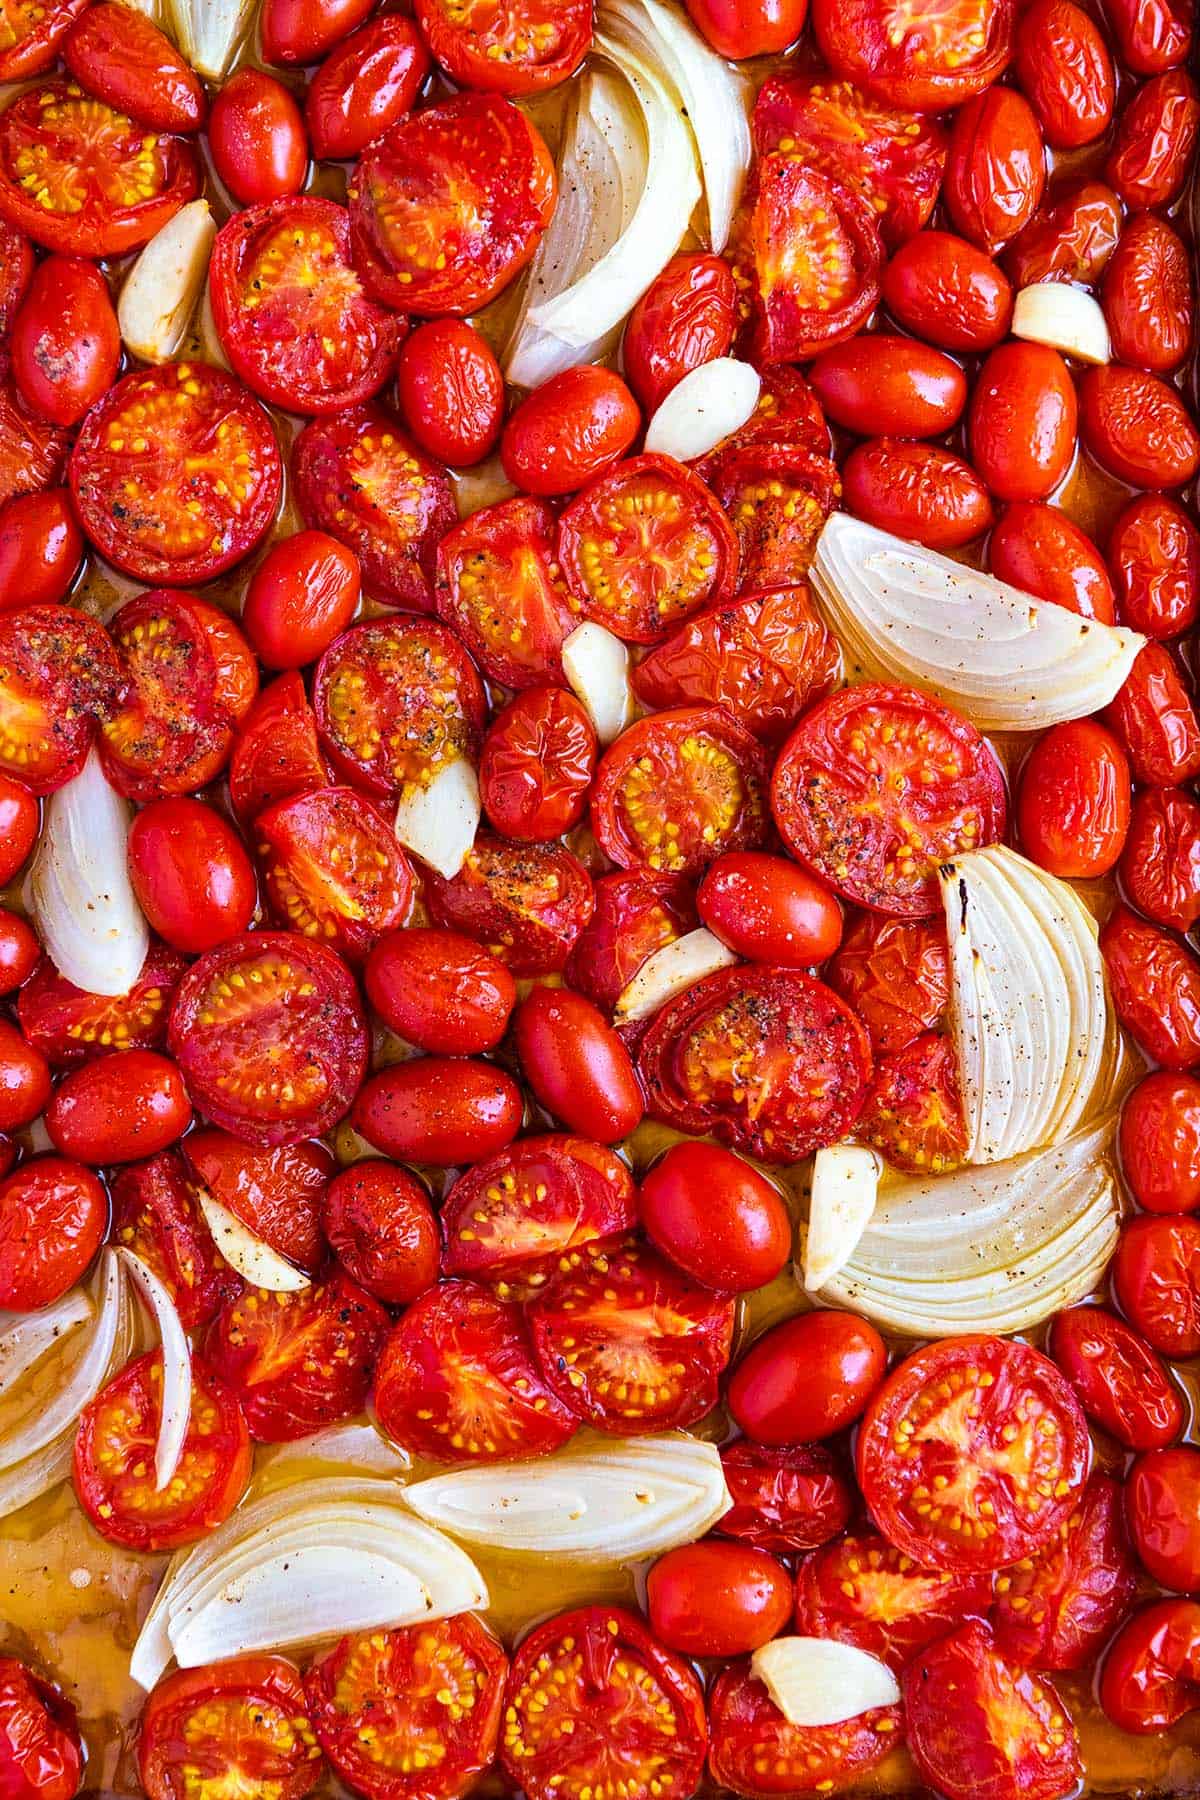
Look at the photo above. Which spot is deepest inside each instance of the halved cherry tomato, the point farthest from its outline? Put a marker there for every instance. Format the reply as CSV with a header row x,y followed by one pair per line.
x,y
526,902
33,454
635,1712
539,758
302,31
767,1060
276,1192
1121,1384
59,680
1138,428
172,734
1040,550
1151,1675
889,384
777,495
440,991
69,1025
741,28
685,318
1160,865
895,975
118,1108
53,1217
297,1361
1073,801
410,1711
1160,1142
717,1599
1147,295
114,1459
1056,1610
877,786
65,341
784,1499
569,431
863,1591
237,667
449,205
19,951
1154,552
381,1228
678,789
927,61
276,752
41,548
807,1379
1155,985
1162,1505
1156,1277
499,584
787,414
768,910
291,312
451,391
396,700
242,1723
757,1753
457,1381
361,479
1070,239
269,1033
1021,427
974,1432
118,54
996,169
367,83
576,1065
32,36
1152,35
24,1080
82,179
977,1723
533,1209
156,1214
332,869
507,46
913,1112
258,142
192,877
439,1110
1156,135
949,291
636,913
917,491
18,820
1156,722
1063,64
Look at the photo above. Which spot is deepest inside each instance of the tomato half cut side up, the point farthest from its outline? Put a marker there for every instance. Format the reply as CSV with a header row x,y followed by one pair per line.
x,y
83,179
69,1025
499,584
176,474
926,55
913,1113
879,785
527,903
269,1034
767,1060
173,733
238,1727
516,47
863,1591
59,680
276,752
291,311
757,1753
595,1704
333,870
114,1459
457,1381
972,1453
411,1711
33,453
31,34
778,496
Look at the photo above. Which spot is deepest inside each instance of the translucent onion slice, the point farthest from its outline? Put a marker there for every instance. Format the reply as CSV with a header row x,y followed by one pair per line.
x,y
243,1250
438,823
818,1681
1008,661
27,1337
709,404
27,1481
1064,317
83,901
996,1249
102,1344
355,1446
597,666
667,972
176,1368
209,31
164,286
845,1185
602,1503
1028,1002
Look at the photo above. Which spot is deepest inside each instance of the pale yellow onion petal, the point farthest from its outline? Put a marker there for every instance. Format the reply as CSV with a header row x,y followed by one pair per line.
x,y
176,1394
245,1251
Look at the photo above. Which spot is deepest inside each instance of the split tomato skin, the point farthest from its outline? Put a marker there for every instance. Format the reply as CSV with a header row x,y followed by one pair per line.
x,y
716,1218
1120,1381
41,548
24,1080
1073,801
451,391
379,1224
439,1110
947,290
191,874
119,54
257,138
65,342
686,318
889,386
1155,986
1022,421
367,84
577,1066
569,430
1162,1506
1160,1142
41,1756
304,592
119,1108
1038,549
53,1217
768,910
717,1598
807,1379
1150,1678
303,31
440,990
741,28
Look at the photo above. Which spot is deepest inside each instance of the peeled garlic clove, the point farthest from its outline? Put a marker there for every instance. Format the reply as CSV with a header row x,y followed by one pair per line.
x,y
163,287
668,971
597,666
706,406
1064,317
243,1250
438,823
845,1184
817,1681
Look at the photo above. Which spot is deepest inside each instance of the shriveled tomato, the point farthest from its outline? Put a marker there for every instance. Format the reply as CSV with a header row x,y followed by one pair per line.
x,y
439,1110
1156,722
636,913
457,1380
118,54
19,951
410,1711
1064,67
172,733
863,1591
1151,1675
877,786
448,206
1055,1610
768,910
275,1192
917,491
69,1025
881,383
526,902
741,28
157,1215
1021,427
895,975
768,1060
451,391
685,318
367,84
1152,35
538,761
114,1459
1156,135
785,1499
569,430
576,1065
301,31
276,752
777,494
1137,427
1154,552
1155,985
53,1217
1156,1277
256,135
269,1033
758,1753
65,342
440,991
33,453
1162,1504
1070,239
1040,550
115,1109
1073,801
1121,1384
977,1723
927,60
41,548
59,680
24,1080
1000,1426
192,877
41,1756
380,1225
996,169
1160,865
499,584
332,869
242,1723
1160,1142
948,291
913,1112
1147,295
717,1599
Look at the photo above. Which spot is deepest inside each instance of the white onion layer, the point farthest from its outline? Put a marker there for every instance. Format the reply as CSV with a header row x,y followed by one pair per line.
x,y
102,1344
176,1407
84,907
27,1337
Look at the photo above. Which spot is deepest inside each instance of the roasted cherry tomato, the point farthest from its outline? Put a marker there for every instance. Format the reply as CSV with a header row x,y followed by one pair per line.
x,y
1156,1277
24,1080
239,1723
636,913
303,593
576,1065
513,47
1154,552
569,430
913,1112
1040,550
332,869
259,147
1162,1504
275,1192
1152,35
1155,984
156,1214
364,86
59,680
69,1025
381,1228
716,1218
19,951
1156,135
1160,1143
526,902
538,761
41,1757
173,731
741,28
1160,865
118,54
1137,427
114,1459
996,169
1155,720
1070,239
808,1378
1056,1609
925,61
949,291
118,1108
276,752
1147,295
717,1599
896,385
499,584
1120,1382
1151,1675
439,1110
863,1591
18,823
457,1381
41,548
786,1499
1073,801
33,35
33,453
1063,64
302,31
53,1217
778,495
768,910
192,877
685,318
1022,422
440,991
65,342
756,1752
451,390
917,491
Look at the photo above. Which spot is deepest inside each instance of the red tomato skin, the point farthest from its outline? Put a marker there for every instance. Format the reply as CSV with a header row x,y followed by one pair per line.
x,y
24,1079
1160,865
41,548
807,1378
257,138
1064,67
303,593
440,991
717,1599
996,169
451,391
119,54
949,291
741,28
686,318
893,386
572,428
368,82
577,1066
1154,553
303,31
1156,135
1073,801
252,1708
275,1192
1160,1143
1070,239
1152,35
1162,1507
537,766
1155,985
19,816
1022,421
1156,722
1138,428
1151,1676
1119,1381
19,951
53,1217
439,1110
191,874
65,341
917,491
794,1498
1040,550
1147,295
119,1108
41,1757
769,910
716,1218
1156,1278
379,1224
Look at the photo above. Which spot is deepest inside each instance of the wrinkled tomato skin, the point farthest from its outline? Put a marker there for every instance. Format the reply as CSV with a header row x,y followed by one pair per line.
x,y
1152,35
768,910
527,902
1138,428
41,548
19,951
1162,1504
1151,1676
716,1218
636,913
65,342
41,1757
1040,550
1155,720
439,1111
440,991
366,85
571,429
119,1108
808,1378
741,28
916,491
303,31
1160,865
451,391
379,1224
53,1217
1155,985
191,874
18,826
717,1599
1156,1278
949,291
576,1064
1156,135
1160,1143
1070,239
1022,422
1064,67
685,318
1073,801
303,593
275,1192
24,1079
1057,1609
1121,1384
1147,296
156,1215
890,386
257,138
945,65
237,1722
537,767
276,752
788,1499
121,55
1154,552
500,586
996,168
